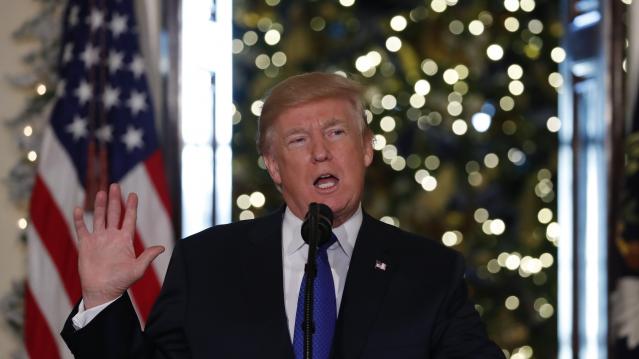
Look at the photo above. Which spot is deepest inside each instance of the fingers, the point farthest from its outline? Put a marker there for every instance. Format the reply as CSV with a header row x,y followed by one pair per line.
x,y
80,226
99,209
130,214
145,259
115,206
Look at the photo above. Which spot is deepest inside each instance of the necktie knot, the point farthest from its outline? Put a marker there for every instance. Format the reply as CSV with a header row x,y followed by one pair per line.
x,y
328,243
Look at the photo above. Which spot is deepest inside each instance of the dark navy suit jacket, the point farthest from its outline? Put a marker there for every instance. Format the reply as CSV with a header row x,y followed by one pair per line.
x,y
223,298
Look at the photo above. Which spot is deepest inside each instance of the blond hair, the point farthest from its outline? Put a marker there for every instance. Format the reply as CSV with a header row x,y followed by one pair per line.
x,y
302,89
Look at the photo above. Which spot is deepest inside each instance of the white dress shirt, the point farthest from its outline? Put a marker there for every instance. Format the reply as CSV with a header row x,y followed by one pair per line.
x,y
294,255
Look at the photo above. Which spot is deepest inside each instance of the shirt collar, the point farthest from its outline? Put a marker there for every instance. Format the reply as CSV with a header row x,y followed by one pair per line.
x,y
346,233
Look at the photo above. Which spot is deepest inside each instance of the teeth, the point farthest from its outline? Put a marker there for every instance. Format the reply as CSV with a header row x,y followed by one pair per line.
x,y
326,185
326,181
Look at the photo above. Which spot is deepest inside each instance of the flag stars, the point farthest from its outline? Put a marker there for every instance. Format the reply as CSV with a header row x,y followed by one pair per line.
x,y
132,139
84,92
115,61
136,102
89,56
68,53
73,15
118,25
110,97
77,128
96,19
104,133
137,66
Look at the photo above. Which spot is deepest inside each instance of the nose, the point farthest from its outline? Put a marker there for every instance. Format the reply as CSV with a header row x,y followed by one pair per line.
x,y
320,150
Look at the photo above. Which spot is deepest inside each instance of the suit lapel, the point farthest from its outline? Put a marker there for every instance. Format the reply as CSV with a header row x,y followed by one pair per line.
x,y
369,273
263,284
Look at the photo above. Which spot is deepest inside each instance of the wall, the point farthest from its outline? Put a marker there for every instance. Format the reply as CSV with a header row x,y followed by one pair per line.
x,y
12,252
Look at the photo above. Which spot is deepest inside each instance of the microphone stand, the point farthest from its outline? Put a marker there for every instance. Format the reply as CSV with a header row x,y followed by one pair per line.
x,y
310,269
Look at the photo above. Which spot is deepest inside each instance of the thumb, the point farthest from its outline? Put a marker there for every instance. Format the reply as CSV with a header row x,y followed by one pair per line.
x,y
145,259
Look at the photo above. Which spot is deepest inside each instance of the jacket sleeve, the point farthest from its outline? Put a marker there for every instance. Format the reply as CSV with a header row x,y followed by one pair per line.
x,y
459,331
116,331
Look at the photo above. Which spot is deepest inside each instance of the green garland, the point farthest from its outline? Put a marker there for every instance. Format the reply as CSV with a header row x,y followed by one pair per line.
x,y
40,80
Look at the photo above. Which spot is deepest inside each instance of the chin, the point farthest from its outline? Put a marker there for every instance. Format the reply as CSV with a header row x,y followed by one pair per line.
x,y
340,209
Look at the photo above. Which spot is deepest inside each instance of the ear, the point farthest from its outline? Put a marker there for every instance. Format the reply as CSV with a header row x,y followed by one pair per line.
x,y
272,168
368,149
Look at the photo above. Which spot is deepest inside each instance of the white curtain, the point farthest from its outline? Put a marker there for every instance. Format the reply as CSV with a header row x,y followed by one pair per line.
x,y
148,17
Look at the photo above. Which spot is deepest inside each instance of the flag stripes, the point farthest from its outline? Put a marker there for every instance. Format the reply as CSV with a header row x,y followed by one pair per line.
x,y
38,336
51,303
54,233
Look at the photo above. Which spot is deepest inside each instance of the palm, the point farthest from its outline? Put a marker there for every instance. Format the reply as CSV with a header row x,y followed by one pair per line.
x,y
107,264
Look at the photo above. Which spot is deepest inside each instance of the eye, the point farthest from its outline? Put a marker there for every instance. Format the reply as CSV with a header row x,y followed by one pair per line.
x,y
296,141
336,132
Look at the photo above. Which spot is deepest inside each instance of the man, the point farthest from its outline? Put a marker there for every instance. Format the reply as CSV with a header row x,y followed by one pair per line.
x,y
232,291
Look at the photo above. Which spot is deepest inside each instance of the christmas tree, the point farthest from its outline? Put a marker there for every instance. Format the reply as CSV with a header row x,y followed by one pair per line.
x,y
462,99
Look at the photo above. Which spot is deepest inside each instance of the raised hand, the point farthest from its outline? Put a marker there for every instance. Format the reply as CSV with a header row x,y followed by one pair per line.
x,y
107,262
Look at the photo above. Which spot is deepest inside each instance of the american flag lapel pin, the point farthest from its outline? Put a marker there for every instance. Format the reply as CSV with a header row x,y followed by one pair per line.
x,y
380,265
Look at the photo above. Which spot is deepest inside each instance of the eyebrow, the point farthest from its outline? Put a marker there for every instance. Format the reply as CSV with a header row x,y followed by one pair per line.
x,y
298,130
293,131
333,122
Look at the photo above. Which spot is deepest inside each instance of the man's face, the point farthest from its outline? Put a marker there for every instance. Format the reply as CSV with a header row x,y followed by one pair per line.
x,y
317,153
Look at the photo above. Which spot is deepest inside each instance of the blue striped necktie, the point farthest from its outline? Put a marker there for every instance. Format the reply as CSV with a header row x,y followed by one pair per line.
x,y
324,309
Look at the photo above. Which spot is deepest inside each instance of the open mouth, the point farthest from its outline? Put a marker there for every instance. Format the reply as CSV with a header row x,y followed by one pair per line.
x,y
326,181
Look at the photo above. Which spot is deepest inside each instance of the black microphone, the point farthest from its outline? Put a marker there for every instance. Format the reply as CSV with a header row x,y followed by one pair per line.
x,y
319,218
316,230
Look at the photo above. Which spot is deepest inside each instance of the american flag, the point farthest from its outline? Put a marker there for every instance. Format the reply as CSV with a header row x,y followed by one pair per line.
x,y
101,131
